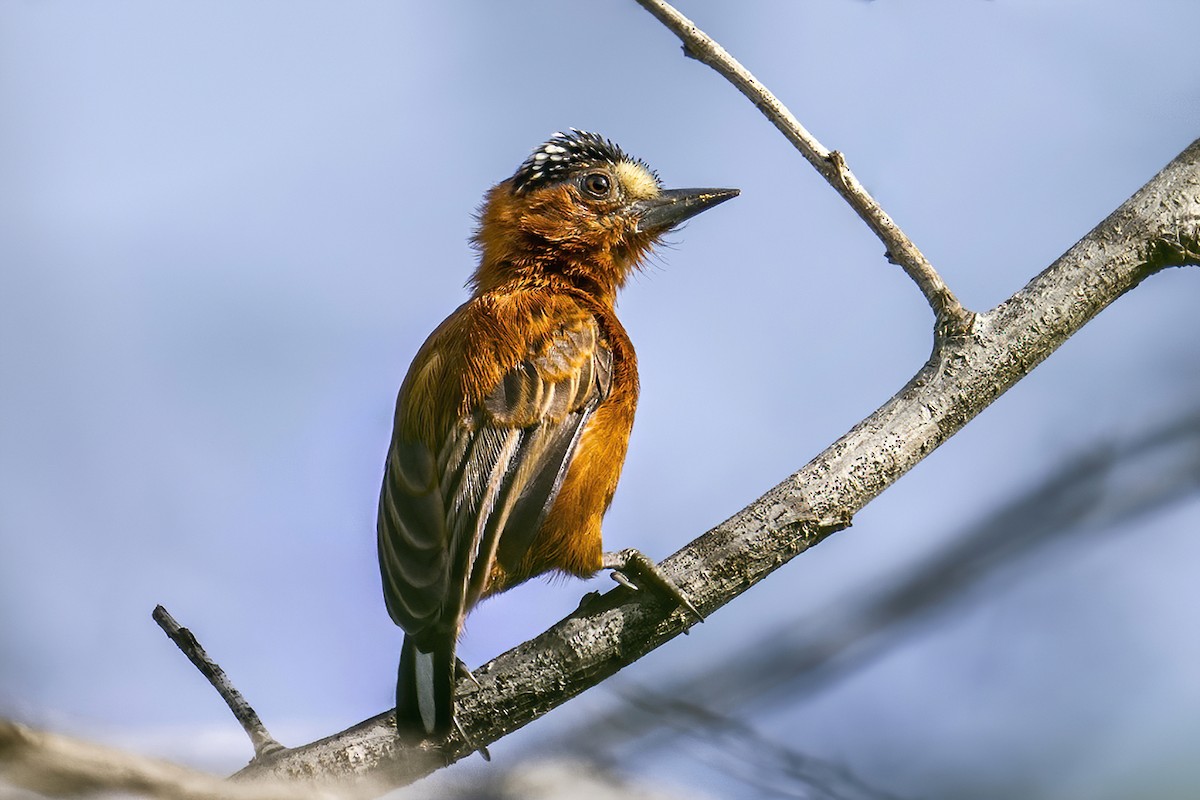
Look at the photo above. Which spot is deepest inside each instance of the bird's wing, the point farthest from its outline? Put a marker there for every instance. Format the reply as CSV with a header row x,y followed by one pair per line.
x,y
448,512
548,399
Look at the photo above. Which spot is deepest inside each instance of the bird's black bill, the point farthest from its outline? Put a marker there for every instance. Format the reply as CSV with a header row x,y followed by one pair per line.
x,y
673,206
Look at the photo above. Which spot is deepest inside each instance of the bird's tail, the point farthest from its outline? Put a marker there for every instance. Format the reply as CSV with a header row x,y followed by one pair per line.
x,y
425,692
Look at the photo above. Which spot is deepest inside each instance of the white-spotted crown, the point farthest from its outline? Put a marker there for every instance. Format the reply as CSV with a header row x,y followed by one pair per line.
x,y
563,154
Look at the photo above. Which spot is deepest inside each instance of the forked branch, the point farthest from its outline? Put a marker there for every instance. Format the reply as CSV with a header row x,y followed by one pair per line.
x,y
1158,227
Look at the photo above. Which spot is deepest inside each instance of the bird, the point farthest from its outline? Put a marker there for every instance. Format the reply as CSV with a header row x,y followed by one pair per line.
x,y
512,423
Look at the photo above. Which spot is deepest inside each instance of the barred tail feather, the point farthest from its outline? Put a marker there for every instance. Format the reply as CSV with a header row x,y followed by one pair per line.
x,y
425,692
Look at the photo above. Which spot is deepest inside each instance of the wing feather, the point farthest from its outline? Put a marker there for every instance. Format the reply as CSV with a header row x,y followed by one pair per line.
x,y
451,509
412,532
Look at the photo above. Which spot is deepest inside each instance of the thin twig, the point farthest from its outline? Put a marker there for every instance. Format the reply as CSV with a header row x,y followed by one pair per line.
x,y
952,317
264,743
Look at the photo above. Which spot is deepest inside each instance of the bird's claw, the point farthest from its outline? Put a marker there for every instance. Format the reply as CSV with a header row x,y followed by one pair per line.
x,y
623,579
475,748
461,671
634,561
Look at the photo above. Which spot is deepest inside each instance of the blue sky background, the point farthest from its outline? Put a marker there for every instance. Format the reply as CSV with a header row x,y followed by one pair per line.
x,y
225,228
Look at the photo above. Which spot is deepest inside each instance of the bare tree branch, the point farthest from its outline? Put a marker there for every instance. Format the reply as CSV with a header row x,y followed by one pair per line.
x,y
952,317
976,358
1156,228
264,743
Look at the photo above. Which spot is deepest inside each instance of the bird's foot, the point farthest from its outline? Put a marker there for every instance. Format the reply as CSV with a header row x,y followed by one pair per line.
x,y
624,563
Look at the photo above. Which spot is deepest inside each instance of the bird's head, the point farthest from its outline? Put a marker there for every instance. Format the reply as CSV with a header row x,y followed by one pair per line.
x,y
582,208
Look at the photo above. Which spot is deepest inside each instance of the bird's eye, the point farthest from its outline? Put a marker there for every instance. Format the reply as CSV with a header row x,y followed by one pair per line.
x,y
596,184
